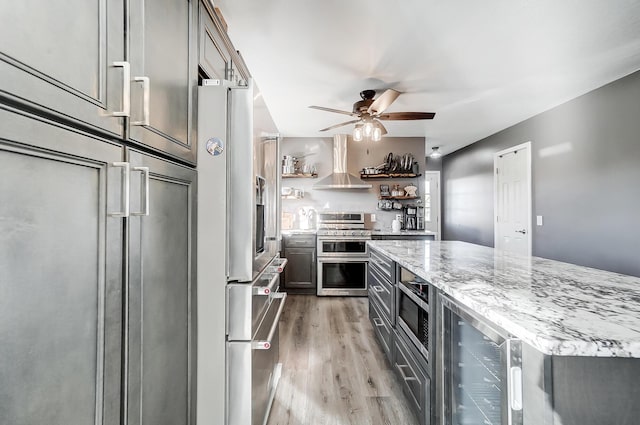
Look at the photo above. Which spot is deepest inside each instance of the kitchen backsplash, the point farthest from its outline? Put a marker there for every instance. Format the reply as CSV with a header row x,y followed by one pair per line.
x,y
319,152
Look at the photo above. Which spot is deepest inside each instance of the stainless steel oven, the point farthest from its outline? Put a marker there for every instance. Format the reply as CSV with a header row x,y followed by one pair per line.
x,y
342,276
343,254
343,246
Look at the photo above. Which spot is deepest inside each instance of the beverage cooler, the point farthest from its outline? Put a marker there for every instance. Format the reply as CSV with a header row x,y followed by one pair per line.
x,y
481,370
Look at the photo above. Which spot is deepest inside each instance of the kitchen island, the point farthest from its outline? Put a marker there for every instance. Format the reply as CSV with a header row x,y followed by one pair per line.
x,y
576,329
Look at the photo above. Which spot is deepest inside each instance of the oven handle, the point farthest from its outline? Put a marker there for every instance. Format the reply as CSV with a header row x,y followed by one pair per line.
x,y
413,297
266,290
265,344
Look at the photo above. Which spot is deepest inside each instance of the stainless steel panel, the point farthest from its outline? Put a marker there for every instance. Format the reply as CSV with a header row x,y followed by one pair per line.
x,y
58,58
172,72
60,275
247,304
161,299
253,373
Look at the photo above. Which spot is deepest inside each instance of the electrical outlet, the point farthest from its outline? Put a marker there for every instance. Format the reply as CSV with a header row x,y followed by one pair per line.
x,y
373,218
539,220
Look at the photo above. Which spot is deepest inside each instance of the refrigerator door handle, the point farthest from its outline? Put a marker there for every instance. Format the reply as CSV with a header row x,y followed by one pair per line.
x,y
266,290
265,344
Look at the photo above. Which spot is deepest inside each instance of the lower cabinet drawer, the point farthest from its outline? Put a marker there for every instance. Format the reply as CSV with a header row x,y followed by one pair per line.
x,y
381,289
415,383
381,328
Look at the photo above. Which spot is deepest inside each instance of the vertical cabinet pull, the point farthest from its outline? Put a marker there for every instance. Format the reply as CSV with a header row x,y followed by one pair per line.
x,y
125,190
126,89
145,101
144,193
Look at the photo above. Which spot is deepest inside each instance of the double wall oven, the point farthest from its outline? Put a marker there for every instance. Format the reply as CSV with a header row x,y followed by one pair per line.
x,y
343,255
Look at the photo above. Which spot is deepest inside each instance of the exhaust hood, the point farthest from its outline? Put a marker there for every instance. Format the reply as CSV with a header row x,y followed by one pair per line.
x,y
340,179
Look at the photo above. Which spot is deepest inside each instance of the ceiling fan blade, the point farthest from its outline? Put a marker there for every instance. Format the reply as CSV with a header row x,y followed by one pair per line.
x,y
407,116
340,125
337,111
383,101
382,127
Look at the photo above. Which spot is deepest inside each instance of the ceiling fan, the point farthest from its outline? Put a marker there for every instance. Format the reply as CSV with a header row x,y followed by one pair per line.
x,y
370,112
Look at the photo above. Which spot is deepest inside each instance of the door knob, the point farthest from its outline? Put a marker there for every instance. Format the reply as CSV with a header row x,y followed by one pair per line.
x,y
523,231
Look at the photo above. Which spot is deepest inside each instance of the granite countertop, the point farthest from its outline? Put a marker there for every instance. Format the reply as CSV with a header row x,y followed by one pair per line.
x,y
298,231
389,232
558,308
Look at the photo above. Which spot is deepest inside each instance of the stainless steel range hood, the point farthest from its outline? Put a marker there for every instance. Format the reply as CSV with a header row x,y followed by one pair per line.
x,y
340,179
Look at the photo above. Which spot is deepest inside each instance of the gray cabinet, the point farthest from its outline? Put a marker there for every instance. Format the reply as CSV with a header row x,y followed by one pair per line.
x,y
300,273
61,260
217,57
57,57
163,56
162,293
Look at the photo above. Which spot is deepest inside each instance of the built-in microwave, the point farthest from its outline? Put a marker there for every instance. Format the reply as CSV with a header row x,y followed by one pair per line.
x,y
415,313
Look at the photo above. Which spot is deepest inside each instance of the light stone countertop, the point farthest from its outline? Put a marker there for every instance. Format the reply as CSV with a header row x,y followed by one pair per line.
x,y
558,308
389,232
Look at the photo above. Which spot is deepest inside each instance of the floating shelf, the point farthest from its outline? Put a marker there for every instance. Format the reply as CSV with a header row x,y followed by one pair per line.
x,y
389,176
401,198
299,176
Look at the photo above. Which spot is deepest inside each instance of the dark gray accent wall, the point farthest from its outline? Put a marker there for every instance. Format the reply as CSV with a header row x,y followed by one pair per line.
x,y
586,180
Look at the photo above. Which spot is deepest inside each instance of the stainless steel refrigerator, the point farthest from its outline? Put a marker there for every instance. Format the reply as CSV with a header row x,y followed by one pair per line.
x,y
239,302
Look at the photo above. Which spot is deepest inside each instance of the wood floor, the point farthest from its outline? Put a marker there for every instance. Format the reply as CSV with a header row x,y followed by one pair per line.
x,y
333,370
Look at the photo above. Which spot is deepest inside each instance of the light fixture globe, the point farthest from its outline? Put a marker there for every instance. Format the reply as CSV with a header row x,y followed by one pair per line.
x,y
435,152
357,133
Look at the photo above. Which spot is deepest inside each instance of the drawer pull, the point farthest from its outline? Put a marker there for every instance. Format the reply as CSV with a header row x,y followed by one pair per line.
x,y
378,322
405,377
378,288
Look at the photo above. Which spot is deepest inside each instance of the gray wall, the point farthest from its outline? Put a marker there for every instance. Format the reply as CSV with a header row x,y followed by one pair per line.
x,y
319,151
586,180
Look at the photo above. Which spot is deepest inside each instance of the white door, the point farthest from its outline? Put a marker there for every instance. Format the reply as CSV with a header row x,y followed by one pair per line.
x,y
513,199
432,202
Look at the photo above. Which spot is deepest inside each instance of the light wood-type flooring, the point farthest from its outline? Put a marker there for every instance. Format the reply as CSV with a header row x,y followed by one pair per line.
x,y
333,370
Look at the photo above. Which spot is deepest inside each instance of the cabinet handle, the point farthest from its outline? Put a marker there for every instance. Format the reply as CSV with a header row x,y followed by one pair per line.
x,y
378,288
126,89
405,377
125,190
378,322
145,191
145,101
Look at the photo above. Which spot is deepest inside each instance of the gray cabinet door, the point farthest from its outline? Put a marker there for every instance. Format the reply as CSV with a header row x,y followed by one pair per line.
x,y
60,275
213,54
300,272
161,295
57,57
162,47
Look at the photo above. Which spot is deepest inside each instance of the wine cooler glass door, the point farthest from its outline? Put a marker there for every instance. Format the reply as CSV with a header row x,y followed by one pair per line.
x,y
479,366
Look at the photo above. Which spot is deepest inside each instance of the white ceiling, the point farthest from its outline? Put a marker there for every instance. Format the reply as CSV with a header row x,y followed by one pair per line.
x,y
481,66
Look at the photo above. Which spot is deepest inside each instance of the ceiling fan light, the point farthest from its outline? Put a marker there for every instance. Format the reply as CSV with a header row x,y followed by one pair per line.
x,y
377,134
368,128
357,134
435,152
